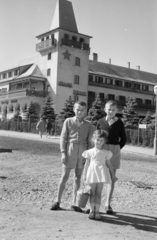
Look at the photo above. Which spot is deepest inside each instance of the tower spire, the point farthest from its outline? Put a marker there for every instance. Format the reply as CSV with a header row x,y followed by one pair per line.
x,y
64,17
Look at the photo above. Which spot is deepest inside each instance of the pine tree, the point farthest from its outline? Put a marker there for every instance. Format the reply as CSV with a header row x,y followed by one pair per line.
x,y
30,114
47,111
67,111
95,112
130,116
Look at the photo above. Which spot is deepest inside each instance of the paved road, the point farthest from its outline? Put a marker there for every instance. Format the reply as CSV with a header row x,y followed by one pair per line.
x,y
55,139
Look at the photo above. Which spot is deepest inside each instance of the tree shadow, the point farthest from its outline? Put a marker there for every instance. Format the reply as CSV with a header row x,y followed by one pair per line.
x,y
2,150
140,222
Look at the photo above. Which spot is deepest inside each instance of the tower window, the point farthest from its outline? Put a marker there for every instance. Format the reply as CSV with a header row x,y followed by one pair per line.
x,y
90,78
74,38
136,86
15,73
77,61
122,98
4,75
118,83
139,100
49,56
76,79
81,40
111,97
66,36
76,98
10,74
109,81
127,84
101,95
48,72
145,88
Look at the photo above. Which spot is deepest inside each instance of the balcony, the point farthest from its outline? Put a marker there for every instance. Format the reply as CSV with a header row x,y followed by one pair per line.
x,y
45,45
3,95
75,44
26,93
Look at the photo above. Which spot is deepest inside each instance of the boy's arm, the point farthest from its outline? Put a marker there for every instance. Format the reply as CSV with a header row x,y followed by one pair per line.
x,y
90,135
122,136
63,137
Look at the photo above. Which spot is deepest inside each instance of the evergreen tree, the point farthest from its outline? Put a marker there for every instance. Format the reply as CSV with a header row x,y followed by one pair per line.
x,y
47,111
67,111
30,114
130,116
95,112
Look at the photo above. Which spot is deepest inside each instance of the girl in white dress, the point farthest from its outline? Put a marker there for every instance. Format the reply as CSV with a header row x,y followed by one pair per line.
x,y
96,171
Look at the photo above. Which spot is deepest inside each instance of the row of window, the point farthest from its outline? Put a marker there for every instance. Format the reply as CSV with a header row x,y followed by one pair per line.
x,y
73,38
48,37
119,83
119,98
9,74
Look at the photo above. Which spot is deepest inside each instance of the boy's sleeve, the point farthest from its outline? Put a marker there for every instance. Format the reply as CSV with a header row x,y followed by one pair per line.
x,y
122,136
63,137
90,135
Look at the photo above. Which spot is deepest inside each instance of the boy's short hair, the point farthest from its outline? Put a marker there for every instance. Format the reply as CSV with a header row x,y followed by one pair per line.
x,y
112,103
100,134
81,103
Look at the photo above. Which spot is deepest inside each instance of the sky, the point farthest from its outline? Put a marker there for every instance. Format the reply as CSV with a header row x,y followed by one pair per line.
x,y
122,30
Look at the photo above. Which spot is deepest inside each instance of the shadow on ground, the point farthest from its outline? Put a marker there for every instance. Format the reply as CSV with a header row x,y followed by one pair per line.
x,y
140,222
2,150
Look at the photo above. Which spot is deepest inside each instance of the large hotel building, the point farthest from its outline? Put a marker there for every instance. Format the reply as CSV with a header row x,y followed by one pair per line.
x,y
61,67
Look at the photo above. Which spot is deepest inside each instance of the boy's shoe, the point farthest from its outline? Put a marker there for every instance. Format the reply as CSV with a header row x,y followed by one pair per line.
x,y
55,206
91,215
87,211
76,208
109,210
97,216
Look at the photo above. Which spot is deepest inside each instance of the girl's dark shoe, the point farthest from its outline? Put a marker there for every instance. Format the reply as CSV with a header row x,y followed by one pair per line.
x,y
55,206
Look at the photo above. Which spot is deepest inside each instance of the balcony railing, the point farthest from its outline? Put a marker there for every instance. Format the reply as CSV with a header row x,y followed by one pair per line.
x,y
75,44
45,44
27,93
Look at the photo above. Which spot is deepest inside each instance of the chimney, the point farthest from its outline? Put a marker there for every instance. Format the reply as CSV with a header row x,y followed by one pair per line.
x,y
95,57
138,68
109,60
128,64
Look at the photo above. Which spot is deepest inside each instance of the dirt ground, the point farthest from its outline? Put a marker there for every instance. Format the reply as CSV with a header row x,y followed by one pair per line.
x,y
29,175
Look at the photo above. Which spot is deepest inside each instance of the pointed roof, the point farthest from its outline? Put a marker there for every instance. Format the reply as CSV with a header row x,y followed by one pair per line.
x,y
33,71
64,17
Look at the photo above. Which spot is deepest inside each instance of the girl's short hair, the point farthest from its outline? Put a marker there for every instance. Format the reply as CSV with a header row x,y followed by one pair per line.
x,y
100,134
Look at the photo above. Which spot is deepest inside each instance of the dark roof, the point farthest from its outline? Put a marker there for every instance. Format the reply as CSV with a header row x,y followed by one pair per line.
x,y
121,72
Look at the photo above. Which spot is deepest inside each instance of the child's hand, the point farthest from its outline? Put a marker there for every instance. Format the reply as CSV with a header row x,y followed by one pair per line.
x,y
84,178
84,161
63,158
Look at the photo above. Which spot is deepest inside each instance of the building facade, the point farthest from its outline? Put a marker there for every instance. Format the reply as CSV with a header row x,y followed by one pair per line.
x,y
62,68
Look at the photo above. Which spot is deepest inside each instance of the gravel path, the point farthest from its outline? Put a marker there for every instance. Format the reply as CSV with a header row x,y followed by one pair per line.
x,y
29,177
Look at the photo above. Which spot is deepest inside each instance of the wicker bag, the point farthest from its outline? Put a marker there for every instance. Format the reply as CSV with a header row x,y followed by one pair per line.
x,y
82,197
